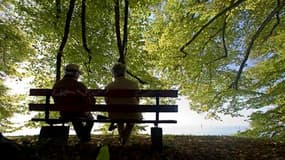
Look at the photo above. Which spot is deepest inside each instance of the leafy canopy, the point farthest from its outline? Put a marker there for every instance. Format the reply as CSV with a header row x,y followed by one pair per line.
x,y
224,55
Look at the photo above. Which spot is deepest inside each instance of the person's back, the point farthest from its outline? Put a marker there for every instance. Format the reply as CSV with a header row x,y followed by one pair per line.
x,y
74,96
69,92
122,83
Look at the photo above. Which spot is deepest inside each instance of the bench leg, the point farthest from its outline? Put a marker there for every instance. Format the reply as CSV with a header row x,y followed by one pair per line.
x,y
156,138
57,134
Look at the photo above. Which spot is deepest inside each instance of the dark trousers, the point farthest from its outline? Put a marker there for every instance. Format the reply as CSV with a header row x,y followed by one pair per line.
x,y
125,130
81,127
83,130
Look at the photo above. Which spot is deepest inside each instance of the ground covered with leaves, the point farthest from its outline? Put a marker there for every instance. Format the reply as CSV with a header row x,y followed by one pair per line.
x,y
139,148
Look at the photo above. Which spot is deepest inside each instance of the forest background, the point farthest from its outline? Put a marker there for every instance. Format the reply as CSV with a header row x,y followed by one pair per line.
x,y
224,56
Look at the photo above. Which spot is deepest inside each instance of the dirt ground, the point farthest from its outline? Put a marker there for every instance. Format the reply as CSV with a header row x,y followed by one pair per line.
x,y
139,148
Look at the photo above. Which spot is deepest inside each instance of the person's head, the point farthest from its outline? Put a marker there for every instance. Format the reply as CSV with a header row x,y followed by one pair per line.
x,y
72,70
119,70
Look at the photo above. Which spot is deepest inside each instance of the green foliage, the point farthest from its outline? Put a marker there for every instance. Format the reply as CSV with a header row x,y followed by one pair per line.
x,y
224,55
269,124
15,48
208,67
10,104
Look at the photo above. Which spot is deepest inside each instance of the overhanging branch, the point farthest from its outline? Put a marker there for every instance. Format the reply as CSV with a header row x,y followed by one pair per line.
x,y
233,5
122,45
118,31
83,29
275,25
125,40
64,38
253,39
57,12
223,42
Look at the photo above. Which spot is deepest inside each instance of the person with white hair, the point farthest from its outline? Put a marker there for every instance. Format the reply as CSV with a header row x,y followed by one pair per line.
x,y
70,92
122,83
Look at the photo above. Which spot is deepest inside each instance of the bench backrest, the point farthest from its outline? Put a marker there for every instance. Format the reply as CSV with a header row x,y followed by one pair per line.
x,y
103,93
157,107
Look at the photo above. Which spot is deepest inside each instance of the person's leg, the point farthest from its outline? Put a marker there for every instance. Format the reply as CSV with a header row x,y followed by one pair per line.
x,y
87,127
87,130
121,128
79,129
127,131
112,126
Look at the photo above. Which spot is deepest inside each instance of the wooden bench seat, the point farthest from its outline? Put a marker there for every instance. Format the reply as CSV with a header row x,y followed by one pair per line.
x,y
153,104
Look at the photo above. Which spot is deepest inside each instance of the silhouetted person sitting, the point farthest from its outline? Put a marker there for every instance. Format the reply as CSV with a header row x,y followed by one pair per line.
x,y
122,83
69,92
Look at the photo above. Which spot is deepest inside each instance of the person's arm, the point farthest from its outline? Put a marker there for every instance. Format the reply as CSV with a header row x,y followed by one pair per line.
x,y
106,97
137,88
92,99
83,91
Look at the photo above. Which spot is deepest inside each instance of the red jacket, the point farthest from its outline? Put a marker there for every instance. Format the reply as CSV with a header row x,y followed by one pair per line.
x,y
73,95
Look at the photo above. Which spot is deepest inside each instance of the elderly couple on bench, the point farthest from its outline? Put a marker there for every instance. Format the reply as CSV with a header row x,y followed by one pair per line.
x,y
70,86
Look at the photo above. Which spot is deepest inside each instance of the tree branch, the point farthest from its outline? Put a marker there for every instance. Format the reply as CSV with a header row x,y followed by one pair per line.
x,y
57,12
209,39
275,25
233,5
251,43
64,38
83,29
224,38
125,40
136,77
224,42
118,32
122,46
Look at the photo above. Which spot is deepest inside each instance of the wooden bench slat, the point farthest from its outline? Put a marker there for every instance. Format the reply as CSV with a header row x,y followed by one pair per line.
x,y
40,92
104,108
100,92
59,121
50,121
136,121
158,93
136,108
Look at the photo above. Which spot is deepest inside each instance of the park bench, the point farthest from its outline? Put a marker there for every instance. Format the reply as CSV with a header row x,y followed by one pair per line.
x,y
152,102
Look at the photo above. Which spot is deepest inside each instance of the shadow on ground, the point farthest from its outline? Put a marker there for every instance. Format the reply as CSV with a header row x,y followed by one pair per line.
x,y
139,148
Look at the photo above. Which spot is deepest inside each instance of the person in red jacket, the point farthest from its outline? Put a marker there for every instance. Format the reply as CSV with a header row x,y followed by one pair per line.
x,y
70,92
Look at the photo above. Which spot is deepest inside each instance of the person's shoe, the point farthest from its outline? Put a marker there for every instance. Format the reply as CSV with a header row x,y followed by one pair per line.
x,y
112,127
